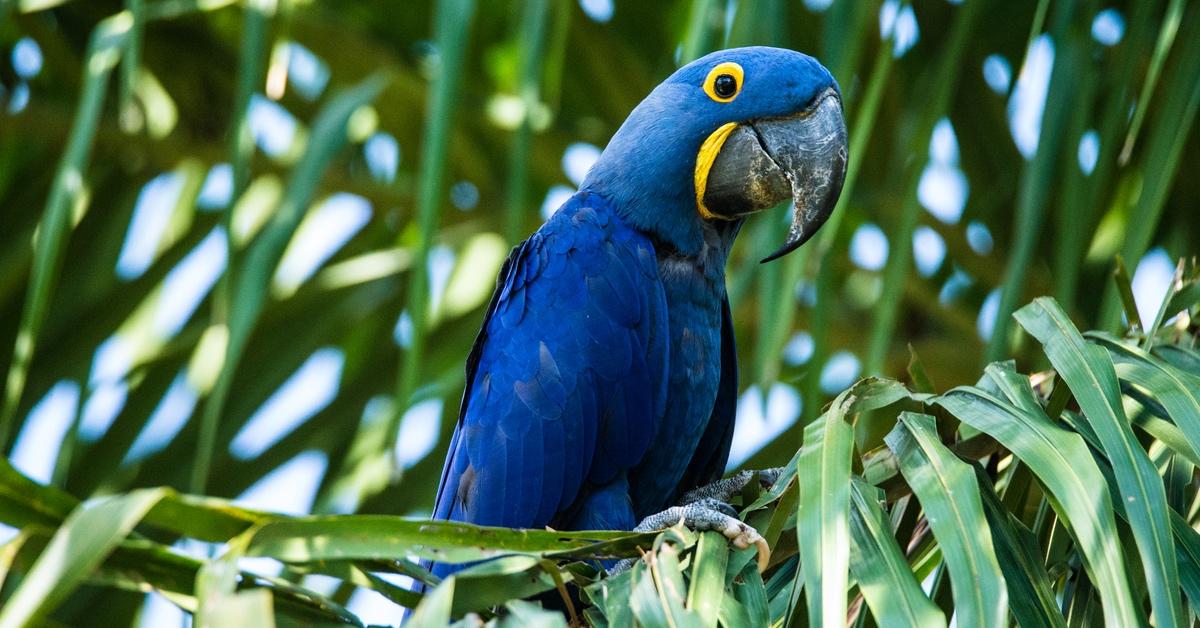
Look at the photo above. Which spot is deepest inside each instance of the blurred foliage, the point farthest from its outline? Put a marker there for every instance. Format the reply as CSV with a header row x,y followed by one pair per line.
x,y
493,94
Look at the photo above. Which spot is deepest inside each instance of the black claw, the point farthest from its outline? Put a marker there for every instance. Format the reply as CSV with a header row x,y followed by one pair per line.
x,y
724,509
768,477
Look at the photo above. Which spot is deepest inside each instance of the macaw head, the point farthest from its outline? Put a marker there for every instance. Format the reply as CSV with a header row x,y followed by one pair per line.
x,y
730,134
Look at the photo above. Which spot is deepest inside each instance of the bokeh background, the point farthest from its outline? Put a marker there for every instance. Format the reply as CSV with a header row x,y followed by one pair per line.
x,y
244,247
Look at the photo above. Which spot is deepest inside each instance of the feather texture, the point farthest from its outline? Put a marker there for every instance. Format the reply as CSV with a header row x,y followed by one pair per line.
x,y
567,379
603,382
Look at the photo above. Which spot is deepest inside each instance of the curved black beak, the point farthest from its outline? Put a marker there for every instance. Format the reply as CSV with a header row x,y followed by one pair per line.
x,y
765,162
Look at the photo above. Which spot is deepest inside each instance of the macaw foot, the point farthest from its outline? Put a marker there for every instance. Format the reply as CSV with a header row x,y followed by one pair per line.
x,y
724,490
705,514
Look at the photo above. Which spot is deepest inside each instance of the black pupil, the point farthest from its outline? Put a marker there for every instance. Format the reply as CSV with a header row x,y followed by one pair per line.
x,y
725,86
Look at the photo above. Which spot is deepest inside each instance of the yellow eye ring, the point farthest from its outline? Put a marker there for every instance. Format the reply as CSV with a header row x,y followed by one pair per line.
x,y
724,82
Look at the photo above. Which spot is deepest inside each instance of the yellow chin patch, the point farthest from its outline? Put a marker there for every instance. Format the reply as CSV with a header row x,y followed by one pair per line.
x,y
704,161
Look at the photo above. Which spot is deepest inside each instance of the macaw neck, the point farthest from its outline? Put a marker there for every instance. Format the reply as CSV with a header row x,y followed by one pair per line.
x,y
680,236
665,213
707,263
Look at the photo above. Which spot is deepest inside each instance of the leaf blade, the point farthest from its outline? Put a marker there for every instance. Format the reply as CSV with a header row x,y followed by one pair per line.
x,y
950,498
1089,372
877,563
822,521
1061,461
88,535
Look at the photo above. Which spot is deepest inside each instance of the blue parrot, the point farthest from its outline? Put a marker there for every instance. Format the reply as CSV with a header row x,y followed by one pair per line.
x,y
602,386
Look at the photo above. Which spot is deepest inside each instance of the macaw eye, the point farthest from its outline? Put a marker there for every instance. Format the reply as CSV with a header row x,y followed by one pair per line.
x,y
724,82
725,86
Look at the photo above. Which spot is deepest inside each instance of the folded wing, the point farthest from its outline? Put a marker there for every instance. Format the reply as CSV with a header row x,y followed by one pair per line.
x,y
566,381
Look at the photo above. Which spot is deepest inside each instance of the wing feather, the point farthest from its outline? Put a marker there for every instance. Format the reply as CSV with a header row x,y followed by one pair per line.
x,y
566,380
712,453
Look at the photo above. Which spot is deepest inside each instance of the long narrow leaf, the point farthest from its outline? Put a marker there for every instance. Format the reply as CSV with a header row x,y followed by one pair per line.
x,y
707,590
434,610
1038,172
1164,155
67,189
950,498
365,537
944,78
452,26
751,595
879,566
822,521
1089,372
522,614
1177,391
1061,461
644,601
84,539
1029,590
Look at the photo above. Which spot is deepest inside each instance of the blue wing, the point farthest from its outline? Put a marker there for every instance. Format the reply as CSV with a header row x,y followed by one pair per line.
x,y
712,452
567,379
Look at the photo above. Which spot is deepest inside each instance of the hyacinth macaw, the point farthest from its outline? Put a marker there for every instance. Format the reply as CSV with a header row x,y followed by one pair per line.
x,y
601,389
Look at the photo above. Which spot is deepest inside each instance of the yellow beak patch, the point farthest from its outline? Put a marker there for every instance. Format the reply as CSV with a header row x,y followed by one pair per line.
x,y
704,161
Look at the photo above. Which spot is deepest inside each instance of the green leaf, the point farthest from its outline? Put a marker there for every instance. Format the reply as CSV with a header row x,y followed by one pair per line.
x,y
616,595
1038,173
531,44
1180,357
867,394
1176,391
78,547
366,537
1163,150
1166,38
1125,292
138,565
866,113
706,592
1030,594
249,609
1089,372
496,581
24,502
434,610
941,81
751,596
173,9
1161,429
249,287
20,545
917,373
356,574
822,526
66,192
733,613
950,498
452,27
1187,548
1061,461
644,600
1174,286
522,614
1185,299
668,576
203,518
879,566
